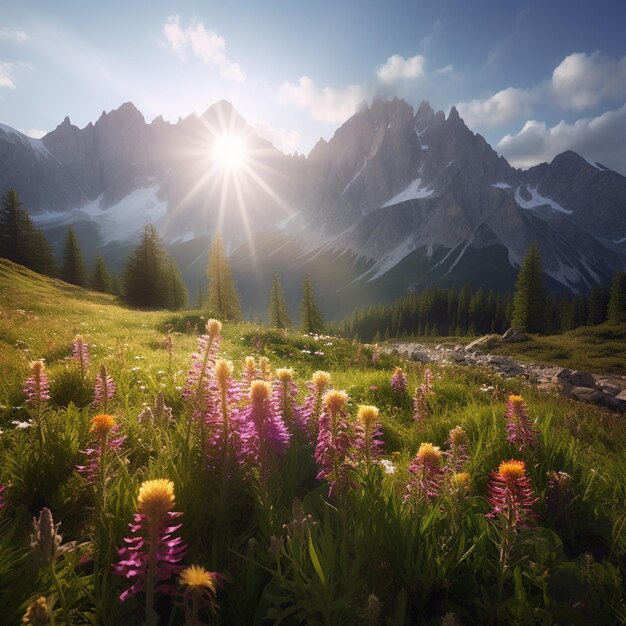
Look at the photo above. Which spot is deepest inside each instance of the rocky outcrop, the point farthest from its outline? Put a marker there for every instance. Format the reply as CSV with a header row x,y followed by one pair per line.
x,y
605,390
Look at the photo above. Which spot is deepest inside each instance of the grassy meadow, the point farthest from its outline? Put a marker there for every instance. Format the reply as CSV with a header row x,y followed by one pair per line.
x,y
409,534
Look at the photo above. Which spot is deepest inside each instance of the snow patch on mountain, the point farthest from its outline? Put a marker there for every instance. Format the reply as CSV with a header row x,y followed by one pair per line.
x,y
538,200
595,164
355,176
12,135
120,222
501,185
414,191
393,258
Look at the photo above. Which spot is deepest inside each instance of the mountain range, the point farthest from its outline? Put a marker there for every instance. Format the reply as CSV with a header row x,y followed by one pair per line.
x,y
396,199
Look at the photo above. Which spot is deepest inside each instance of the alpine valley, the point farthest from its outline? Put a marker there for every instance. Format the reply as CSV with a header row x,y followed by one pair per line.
x,y
396,199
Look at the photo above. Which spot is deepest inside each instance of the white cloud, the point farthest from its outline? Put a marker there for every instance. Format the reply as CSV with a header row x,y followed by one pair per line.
x,y
326,104
601,138
6,78
207,45
442,71
398,68
285,140
502,107
15,35
581,81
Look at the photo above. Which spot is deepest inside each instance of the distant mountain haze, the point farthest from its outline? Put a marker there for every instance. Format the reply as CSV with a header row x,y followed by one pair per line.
x,y
396,199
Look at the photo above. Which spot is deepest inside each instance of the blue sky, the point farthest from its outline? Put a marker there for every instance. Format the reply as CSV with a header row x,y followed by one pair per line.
x,y
534,78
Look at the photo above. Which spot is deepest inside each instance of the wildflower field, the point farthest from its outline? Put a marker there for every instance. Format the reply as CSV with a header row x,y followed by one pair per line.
x,y
168,469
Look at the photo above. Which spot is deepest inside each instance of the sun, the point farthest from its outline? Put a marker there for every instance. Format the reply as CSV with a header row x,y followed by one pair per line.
x,y
229,152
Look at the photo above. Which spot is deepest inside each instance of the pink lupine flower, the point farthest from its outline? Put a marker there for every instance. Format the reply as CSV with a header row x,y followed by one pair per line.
x,y
428,473
334,441
222,419
457,454
250,371
203,361
423,393
368,436
520,429
284,394
399,381
104,389
36,387
264,434
511,493
80,353
312,407
153,553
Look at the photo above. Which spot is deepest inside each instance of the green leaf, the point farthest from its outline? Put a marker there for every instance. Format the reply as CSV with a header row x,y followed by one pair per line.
x,y
315,560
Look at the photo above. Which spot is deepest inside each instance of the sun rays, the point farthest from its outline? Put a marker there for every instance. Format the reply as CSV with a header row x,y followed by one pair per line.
x,y
233,177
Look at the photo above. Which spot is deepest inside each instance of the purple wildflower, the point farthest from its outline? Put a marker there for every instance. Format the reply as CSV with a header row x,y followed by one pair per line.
x,y
511,493
153,553
108,442
520,429
36,387
423,393
368,436
334,440
312,408
427,471
203,362
264,434
399,381
104,389
284,394
80,353
457,454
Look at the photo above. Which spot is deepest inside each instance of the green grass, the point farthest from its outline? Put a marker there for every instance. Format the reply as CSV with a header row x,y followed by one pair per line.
x,y
288,552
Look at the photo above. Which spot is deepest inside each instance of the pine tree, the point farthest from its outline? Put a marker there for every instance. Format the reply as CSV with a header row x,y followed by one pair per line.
x,y
12,233
100,278
73,269
598,305
175,287
530,298
20,241
278,310
151,277
199,301
310,316
617,303
224,299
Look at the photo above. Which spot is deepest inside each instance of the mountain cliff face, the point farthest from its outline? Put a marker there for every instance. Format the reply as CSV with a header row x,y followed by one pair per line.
x,y
404,197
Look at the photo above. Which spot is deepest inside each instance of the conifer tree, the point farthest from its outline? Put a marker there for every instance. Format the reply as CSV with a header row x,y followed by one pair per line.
x,y
598,305
224,300
175,287
530,298
42,256
617,303
73,269
144,273
100,278
311,318
278,310
12,228
199,301
20,241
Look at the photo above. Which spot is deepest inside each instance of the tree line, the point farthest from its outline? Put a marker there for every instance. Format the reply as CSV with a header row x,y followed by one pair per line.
x,y
438,311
